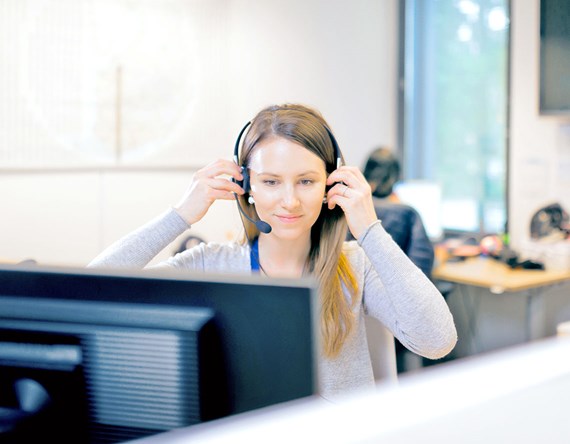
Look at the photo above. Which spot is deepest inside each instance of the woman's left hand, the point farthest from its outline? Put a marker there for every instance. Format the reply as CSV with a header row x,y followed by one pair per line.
x,y
352,193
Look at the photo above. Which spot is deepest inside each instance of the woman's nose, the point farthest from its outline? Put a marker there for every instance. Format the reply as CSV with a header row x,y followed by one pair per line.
x,y
290,198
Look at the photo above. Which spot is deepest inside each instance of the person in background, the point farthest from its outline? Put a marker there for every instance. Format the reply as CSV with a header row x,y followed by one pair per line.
x,y
402,222
303,201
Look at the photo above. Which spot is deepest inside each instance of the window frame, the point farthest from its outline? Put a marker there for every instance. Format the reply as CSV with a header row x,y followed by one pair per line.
x,y
408,53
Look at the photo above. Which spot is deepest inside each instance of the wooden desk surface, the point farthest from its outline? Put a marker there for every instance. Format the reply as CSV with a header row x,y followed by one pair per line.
x,y
498,277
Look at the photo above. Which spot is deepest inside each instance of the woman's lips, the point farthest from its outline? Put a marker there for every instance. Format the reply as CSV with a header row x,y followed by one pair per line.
x,y
288,218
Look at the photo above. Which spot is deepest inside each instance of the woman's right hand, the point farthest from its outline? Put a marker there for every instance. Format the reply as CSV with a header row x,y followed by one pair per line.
x,y
206,187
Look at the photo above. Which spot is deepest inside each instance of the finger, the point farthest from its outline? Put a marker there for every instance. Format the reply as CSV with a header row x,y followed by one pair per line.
x,y
349,175
222,167
339,189
213,194
225,185
337,199
347,197
357,186
223,195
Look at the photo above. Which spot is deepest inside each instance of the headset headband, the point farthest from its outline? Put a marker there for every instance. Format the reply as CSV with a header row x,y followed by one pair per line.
x,y
236,148
336,148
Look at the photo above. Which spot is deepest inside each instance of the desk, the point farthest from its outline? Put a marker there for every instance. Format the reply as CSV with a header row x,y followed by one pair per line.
x,y
499,278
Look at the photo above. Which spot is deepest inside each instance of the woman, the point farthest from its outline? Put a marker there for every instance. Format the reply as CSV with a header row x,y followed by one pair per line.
x,y
297,188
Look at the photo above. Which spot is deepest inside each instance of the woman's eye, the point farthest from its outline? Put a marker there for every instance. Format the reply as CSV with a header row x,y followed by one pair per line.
x,y
306,181
269,182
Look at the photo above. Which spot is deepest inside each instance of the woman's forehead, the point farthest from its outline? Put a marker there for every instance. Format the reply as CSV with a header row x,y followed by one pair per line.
x,y
282,156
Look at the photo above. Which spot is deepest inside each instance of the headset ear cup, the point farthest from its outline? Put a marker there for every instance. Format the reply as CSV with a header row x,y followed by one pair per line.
x,y
245,182
337,154
238,182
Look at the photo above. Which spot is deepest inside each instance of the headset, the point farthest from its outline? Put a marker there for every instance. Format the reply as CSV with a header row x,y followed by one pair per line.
x,y
261,225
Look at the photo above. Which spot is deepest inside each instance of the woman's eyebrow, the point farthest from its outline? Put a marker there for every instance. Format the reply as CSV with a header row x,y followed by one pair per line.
x,y
309,172
304,173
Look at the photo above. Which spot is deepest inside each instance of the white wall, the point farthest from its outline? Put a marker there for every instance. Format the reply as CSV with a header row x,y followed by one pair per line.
x,y
337,56
539,146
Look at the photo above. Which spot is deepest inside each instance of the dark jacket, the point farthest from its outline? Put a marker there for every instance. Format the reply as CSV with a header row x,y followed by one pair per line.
x,y
405,226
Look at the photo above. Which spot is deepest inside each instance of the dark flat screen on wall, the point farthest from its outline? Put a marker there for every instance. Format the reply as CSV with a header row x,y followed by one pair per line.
x,y
555,57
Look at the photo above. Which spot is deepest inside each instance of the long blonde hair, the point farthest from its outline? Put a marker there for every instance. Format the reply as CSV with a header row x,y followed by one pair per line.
x,y
326,260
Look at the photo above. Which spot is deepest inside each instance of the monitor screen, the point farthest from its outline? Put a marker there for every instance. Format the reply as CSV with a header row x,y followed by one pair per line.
x,y
95,357
425,197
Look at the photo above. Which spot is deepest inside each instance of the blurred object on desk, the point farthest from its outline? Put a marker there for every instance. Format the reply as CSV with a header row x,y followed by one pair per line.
x,y
554,255
491,245
550,223
457,249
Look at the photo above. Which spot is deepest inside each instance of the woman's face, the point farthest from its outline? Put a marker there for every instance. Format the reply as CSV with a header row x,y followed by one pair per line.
x,y
288,184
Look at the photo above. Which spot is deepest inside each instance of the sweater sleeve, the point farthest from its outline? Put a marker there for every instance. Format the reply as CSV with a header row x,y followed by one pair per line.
x,y
398,293
138,248
420,249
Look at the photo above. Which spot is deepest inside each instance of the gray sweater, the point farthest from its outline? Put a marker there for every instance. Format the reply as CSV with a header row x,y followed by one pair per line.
x,y
391,289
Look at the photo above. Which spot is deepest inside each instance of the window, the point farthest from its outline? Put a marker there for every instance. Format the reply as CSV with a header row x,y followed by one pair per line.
x,y
453,107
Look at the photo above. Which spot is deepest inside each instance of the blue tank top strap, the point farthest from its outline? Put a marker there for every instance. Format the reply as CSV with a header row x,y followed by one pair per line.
x,y
254,257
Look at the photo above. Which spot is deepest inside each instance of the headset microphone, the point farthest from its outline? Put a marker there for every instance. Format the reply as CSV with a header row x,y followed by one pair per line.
x,y
262,226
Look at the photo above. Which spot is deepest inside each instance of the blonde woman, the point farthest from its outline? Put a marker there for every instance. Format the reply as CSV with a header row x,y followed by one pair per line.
x,y
293,181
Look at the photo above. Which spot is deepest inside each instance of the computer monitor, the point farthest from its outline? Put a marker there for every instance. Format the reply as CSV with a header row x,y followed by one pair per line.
x,y
91,356
425,197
